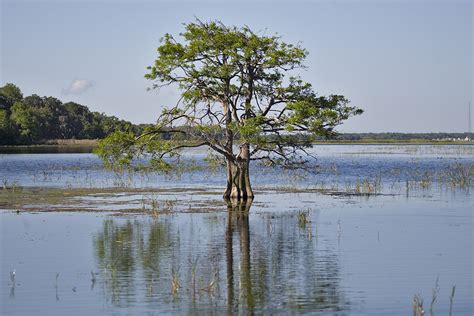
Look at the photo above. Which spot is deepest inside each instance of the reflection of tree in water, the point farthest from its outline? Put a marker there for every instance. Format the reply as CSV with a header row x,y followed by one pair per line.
x,y
279,271
121,247
237,270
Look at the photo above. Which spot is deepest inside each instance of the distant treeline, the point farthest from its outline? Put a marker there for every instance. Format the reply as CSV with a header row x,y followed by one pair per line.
x,y
402,136
34,119
37,120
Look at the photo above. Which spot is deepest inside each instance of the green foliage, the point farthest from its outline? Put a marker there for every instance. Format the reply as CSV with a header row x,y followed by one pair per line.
x,y
117,149
237,88
28,121
7,131
9,94
33,119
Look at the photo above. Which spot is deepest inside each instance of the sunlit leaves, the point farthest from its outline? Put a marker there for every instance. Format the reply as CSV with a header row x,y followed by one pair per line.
x,y
117,149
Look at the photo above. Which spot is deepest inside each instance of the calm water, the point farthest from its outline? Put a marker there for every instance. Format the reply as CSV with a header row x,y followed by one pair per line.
x,y
346,255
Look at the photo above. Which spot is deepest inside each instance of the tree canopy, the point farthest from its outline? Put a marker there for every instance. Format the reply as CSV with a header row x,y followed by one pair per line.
x,y
240,96
34,119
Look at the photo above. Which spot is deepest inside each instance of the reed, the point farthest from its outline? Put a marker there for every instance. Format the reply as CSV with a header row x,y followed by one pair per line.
x,y
175,285
451,300
434,297
303,218
418,309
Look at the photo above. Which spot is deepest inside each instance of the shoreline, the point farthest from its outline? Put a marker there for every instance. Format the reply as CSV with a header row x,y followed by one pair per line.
x,y
87,146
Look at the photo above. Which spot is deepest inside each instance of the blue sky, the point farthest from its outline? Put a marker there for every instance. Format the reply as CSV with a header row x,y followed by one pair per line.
x,y
409,64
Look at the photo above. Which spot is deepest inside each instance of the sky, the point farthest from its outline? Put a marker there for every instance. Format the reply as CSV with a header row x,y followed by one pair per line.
x,y
408,64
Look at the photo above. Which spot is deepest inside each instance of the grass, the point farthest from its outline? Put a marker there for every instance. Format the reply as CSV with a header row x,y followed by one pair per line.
x,y
90,197
124,197
175,285
451,300
418,308
303,218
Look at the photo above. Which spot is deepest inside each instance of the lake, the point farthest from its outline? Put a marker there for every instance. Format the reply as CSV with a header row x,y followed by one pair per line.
x,y
367,228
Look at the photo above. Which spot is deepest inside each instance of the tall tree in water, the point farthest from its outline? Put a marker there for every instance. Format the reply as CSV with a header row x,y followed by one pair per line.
x,y
240,97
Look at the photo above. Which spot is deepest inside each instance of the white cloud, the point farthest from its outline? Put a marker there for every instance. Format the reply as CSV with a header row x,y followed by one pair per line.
x,y
78,86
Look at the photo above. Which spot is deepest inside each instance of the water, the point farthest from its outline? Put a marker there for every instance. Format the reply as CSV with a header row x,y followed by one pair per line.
x,y
336,164
287,253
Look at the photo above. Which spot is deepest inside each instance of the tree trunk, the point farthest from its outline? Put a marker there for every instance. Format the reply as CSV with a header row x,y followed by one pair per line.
x,y
238,177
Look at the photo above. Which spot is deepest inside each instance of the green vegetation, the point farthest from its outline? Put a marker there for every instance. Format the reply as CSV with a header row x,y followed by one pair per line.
x,y
46,120
34,119
238,89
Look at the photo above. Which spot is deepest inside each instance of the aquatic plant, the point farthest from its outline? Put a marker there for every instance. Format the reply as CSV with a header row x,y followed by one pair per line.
x,y
418,309
12,277
434,297
193,263
175,285
458,175
451,299
213,283
303,218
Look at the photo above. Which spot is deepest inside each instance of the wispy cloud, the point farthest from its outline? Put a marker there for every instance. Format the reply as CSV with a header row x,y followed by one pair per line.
x,y
78,86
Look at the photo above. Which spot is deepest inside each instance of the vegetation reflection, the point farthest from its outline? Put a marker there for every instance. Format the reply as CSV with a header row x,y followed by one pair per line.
x,y
163,263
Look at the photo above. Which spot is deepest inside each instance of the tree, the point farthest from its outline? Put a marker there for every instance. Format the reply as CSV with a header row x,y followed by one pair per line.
x,y
239,98
9,94
27,121
77,117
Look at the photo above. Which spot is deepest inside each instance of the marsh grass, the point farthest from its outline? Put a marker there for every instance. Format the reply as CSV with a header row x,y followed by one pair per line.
x,y
418,309
212,287
303,218
411,182
368,186
451,300
13,186
175,284
458,176
434,295
193,265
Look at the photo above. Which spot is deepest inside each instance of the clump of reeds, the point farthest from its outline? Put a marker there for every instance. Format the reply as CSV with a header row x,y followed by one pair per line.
x,y
425,180
155,210
175,286
157,207
213,283
418,309
458,176
13,186
367,187
303,218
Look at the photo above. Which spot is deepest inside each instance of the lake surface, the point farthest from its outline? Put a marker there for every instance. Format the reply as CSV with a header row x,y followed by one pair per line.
x,y
305,245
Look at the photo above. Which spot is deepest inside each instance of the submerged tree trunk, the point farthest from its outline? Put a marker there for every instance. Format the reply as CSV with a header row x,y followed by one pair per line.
x,y
238,177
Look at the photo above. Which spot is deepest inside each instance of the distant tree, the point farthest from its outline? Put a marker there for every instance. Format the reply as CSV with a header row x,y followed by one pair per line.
x,y
6,129
38,117
9,94
27,120
33,101
236,90
77,117
50,114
